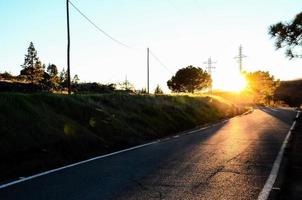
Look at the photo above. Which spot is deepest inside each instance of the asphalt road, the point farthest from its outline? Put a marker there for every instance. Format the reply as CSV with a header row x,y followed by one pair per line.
x,y
230,160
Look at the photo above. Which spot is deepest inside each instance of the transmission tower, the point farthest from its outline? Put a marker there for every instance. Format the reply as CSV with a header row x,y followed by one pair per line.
x,y
209,69
240,58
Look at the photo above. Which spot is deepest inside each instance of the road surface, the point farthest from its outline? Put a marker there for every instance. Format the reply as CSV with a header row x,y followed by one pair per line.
x,y
231,160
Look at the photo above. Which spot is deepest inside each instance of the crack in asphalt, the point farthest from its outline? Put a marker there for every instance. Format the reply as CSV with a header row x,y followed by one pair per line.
x,y
218,170
195,186
146,188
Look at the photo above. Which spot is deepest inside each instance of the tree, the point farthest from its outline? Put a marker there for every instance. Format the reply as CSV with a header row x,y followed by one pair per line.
x,y
54,79
52,70
158,90
189,79
262,86
32,67
142,91
63,78
6,76
127,86
289,35
75,79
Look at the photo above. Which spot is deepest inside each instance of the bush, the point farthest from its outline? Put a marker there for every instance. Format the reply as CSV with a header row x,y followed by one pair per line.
x,y
93,87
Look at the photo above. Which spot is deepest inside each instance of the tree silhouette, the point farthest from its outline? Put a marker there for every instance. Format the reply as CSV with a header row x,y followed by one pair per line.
x,y
127,86
52,70
142,91
63,78
189,79
289,35
32,67
262,86
6,76
158,90
75,79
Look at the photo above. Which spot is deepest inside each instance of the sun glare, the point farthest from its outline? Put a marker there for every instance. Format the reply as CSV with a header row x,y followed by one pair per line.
x,y
232,82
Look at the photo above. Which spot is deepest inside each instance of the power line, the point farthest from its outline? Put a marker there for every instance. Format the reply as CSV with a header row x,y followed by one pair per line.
x,y
96,26
160,62
117,41
112,38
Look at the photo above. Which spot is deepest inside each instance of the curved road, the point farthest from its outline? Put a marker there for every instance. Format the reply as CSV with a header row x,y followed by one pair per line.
x,y
231,160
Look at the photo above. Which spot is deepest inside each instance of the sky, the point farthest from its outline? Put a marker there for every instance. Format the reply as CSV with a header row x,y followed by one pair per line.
x,y
178,32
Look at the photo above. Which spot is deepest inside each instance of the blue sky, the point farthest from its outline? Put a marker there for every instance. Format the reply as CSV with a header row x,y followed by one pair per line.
x,y
179,32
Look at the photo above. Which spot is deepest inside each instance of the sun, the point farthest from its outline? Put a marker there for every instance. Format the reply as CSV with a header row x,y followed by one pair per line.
x,y
231,82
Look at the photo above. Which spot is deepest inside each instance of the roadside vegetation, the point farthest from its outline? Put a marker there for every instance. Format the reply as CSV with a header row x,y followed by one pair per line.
x,y
44,131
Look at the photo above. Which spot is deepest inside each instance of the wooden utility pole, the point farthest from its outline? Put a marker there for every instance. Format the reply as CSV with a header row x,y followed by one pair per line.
x,y
68,48
148,78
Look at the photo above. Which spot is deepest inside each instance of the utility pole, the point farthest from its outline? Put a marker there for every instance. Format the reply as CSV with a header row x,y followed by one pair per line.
x,y
126,83
148,78
240,59
209,69
68,48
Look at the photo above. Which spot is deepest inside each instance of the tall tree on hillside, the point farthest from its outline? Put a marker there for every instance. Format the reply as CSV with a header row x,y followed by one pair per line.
x,y
262,86
289,35
32,67
189,79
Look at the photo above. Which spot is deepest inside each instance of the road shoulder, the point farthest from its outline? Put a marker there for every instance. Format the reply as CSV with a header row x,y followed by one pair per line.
x,y
290,178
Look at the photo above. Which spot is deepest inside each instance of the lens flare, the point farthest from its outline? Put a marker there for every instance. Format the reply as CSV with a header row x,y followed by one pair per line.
x,y
232,83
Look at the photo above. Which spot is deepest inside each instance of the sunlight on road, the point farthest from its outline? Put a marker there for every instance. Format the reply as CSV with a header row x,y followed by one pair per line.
x,y
234,141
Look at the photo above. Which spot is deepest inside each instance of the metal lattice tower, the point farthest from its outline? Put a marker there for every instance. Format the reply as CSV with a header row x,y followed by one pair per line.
x,y
209,69
209,65
240,59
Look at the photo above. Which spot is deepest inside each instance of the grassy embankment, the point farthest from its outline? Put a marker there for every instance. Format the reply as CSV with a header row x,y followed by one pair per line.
x,y
44,131
290,92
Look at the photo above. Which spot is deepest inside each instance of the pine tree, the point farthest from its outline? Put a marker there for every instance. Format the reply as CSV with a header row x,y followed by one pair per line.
x,y
158,90
75,79
32,67
289,35
190,79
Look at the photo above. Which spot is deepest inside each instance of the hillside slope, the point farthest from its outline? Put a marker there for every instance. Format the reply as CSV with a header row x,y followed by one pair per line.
x,y
290,92
44,131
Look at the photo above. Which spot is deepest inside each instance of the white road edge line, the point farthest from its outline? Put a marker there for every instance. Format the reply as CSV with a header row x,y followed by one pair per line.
x,y
103,156
92,159
274,109
265,192
75,164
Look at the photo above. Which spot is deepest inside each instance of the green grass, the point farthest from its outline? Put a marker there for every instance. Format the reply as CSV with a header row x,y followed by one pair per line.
x,y
44,131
